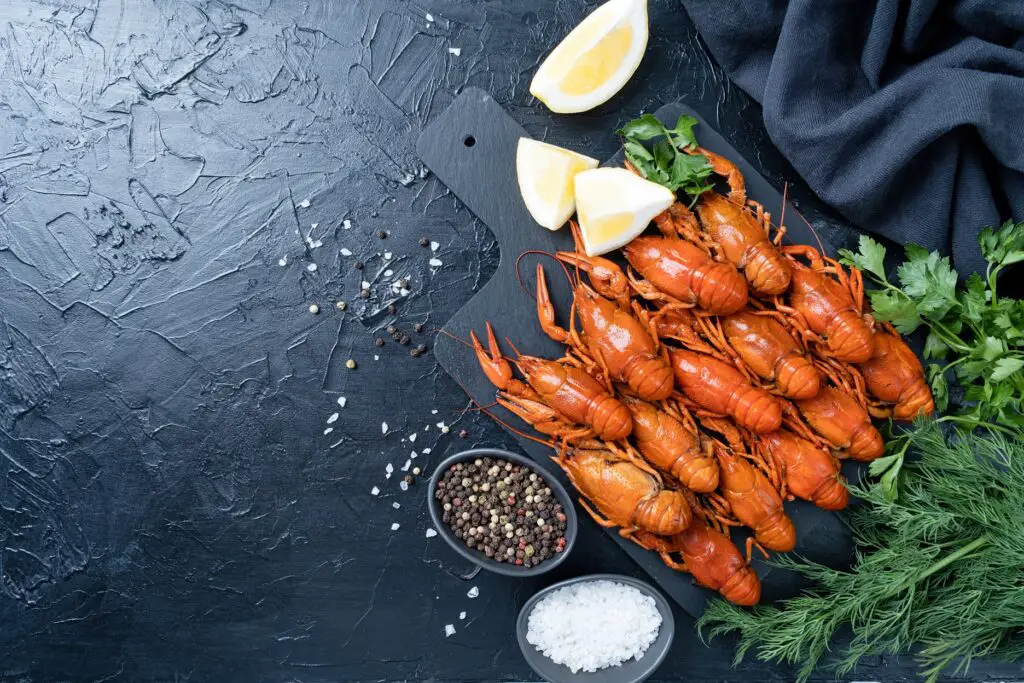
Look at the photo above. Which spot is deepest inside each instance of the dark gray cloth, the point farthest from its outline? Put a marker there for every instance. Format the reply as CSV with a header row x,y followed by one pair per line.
x,y
907,116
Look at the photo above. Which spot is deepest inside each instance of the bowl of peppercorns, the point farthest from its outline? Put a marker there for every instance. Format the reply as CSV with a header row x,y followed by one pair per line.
x,y
501,511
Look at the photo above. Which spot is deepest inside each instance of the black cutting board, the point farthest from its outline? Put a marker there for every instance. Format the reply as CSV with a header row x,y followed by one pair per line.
x,y
471,147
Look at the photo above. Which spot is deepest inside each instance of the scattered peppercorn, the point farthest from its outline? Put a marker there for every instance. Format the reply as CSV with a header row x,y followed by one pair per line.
x,y
350,364
391,329
382,234
422,348
378,341
408,479
403,283
463,433
364,294
415,353
404,340
418,327
416,471
358,265
342,305
503,526
392,309
424,242
314,309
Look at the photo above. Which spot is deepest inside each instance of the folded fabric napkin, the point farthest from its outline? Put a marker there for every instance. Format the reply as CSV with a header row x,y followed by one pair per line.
x,y
905,115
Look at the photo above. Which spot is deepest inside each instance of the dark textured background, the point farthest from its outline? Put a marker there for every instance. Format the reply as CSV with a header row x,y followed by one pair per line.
x,y
181,496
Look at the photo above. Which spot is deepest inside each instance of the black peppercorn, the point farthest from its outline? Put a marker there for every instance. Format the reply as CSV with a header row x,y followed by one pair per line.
x,y
392,309
358,265
404,340
378,341
382,234
463,433
424,242
418,327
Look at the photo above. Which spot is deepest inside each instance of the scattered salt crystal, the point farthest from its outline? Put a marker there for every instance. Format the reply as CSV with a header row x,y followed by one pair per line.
x,y
412,455
304,203
342,401
434,411
430,17
462,615
376,357
431,533
426,451
473,592
449,630
434,246
394,526
441,425
403,291
412,437
616,622
435,263
347,224
388,272
314,226
407,465
283,261
374,491
389,469
345,251
383,427
364,284
455,51
387,255
328,431
332,419
396,505
403,485
311,267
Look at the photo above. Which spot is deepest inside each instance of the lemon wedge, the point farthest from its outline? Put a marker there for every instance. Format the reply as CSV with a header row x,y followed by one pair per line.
x,y
615,205
595,60
545,180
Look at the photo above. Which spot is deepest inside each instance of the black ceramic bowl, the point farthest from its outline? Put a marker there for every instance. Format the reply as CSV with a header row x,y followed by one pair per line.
x,y
477,556
631,671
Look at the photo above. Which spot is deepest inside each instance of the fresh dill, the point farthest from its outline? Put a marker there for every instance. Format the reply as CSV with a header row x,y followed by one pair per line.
x,y
939,569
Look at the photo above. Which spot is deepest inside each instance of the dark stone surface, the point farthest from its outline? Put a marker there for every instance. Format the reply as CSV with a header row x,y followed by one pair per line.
x,y
172,506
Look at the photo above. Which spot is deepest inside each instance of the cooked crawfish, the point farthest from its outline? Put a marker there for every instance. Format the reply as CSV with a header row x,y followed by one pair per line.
x,y
894,376
625,495
810,472
753,500
842,422
767,349
829,310
711,558
678,271
669,441
622,343
719,388
555,393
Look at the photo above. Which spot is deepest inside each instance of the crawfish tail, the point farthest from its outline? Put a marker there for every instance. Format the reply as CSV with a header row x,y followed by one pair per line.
x,y
767,270
665,513
796,376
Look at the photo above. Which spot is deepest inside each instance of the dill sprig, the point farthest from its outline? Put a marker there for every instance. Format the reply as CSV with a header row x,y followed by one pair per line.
x,y
938,570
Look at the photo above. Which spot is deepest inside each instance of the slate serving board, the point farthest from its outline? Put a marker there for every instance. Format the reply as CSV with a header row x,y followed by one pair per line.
x,y
471,147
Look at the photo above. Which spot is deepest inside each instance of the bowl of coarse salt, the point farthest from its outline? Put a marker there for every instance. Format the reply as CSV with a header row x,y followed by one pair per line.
x,y
600,628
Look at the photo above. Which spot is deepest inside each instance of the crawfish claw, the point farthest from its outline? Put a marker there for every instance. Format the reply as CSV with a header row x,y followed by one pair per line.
x,y
546,312
606,277
493,363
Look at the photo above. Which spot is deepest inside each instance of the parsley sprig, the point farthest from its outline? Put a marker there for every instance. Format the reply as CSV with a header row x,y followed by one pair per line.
x,y
664,163
978,335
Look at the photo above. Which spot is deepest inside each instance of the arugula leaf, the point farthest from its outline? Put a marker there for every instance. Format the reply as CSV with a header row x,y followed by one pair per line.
x,y
665,163
870,257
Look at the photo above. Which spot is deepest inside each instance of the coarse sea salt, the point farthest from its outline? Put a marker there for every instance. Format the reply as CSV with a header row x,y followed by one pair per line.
x,y
396,505
383,427
311,267
342,401
473,592
395,526
455,51
594,625
345,251
462,615
328,431
449,630
431,533
435,263
434,246
304,203
404,485
333,418
347,224
374,491
412,437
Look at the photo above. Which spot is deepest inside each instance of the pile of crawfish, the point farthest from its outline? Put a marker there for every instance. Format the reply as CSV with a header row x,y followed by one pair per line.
x,y
720,374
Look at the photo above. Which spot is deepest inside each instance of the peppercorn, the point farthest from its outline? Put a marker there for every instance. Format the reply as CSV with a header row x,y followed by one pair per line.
x,y
463,433
415,353
350,364
404,340
358,265
392,309
342,305
364,294
382,234
408,479
421,349
418,327
424,242
378,341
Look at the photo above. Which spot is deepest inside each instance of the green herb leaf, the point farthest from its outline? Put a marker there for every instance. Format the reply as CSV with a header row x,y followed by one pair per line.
x,y
870,257
939,386
664,163
895,307
646,127
931,281
1004,367
1003,246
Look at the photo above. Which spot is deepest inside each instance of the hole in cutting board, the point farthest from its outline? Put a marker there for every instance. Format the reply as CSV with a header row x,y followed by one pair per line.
x,y
469,141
